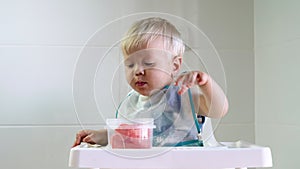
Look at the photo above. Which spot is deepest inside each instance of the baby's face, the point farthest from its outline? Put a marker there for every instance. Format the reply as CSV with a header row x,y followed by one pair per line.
x,y
149,69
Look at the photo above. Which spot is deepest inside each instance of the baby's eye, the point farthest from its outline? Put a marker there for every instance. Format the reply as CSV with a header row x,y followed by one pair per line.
x,y
130,65
149,63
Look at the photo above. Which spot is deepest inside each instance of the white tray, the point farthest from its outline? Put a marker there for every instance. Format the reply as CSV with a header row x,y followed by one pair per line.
x,y
231,155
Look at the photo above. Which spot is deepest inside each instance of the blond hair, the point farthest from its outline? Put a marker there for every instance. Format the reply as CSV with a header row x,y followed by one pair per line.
x,y
145,31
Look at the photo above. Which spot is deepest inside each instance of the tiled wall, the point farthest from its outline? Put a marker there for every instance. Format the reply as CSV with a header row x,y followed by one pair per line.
x,y
42,61
277,58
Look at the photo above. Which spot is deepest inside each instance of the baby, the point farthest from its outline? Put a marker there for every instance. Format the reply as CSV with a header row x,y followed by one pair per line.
x,y
153,54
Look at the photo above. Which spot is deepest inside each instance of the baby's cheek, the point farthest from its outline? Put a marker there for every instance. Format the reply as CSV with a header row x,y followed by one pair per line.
x,y
162,71
129,76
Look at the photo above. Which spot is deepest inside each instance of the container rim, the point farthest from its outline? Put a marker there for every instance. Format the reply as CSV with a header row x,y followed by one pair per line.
x,y
136,123
130,126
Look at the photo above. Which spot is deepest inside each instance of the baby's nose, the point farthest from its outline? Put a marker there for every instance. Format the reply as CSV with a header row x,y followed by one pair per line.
x,y
139,70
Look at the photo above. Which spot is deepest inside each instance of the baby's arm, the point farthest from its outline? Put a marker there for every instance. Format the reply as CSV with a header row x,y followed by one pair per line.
x,y
213,102
91,136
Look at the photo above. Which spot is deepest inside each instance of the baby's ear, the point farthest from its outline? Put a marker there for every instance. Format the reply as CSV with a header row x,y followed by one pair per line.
x,y
177,61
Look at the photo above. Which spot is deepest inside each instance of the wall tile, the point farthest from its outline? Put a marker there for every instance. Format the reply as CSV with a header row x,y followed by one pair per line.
x,y
235,132
283,141
38,84
276,21
276,85
239,76
227,30
37,147
96,87
54,22
276,70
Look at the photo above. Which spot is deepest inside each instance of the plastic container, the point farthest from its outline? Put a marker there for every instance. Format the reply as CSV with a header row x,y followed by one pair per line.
x,y
130,134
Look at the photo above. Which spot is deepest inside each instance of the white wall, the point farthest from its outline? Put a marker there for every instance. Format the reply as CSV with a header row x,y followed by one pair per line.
x,y
277,58
40,42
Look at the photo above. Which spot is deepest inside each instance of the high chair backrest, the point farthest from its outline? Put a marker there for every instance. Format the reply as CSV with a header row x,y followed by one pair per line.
x,y
208,137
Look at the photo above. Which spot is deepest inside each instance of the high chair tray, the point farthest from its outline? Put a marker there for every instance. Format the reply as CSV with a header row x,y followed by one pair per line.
x,y
230,155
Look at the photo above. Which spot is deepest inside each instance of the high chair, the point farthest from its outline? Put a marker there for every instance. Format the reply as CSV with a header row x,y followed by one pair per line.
x,y
213,155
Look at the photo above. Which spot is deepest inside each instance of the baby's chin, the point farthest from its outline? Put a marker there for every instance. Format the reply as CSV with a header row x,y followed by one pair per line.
x,y
149,93
154,91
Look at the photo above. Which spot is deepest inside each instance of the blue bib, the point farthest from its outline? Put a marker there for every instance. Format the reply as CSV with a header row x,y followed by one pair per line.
x,y
174,116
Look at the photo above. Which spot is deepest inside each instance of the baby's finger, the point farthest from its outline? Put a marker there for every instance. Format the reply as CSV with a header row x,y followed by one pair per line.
x,y
79,136
192,78
189,80
183,89
183,78
88,139
203,79
76,142
179,79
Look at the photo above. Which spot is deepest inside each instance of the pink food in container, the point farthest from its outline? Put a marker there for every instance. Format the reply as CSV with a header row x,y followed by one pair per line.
x,y
130,134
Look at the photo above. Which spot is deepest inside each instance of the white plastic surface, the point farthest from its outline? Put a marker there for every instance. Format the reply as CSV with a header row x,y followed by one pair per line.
x,y
234,155
213,155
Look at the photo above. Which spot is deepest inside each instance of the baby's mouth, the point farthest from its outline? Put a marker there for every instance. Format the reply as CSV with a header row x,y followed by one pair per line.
x,y
140,83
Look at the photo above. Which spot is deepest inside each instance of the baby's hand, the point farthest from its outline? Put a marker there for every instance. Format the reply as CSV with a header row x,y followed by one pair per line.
x,y
88,136
189,79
